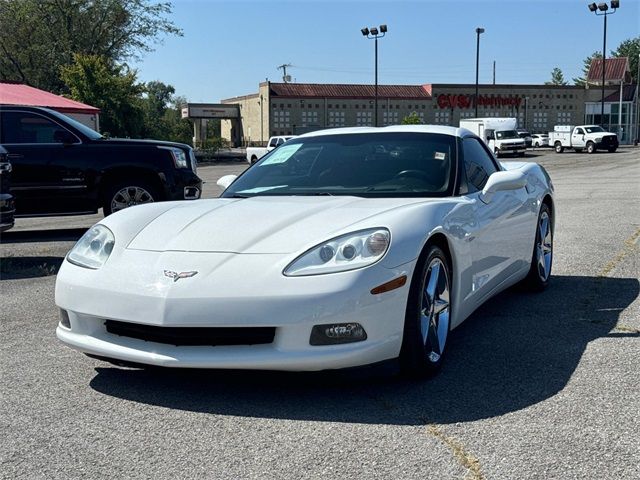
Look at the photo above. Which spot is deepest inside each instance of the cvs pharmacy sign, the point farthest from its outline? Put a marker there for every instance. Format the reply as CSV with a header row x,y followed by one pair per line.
x,y
466,101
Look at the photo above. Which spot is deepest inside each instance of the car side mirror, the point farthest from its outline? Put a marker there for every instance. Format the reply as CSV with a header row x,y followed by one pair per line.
x,y
225,181
503,180
62,136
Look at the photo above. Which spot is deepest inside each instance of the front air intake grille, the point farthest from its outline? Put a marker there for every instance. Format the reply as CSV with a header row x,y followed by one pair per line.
x,y
193,336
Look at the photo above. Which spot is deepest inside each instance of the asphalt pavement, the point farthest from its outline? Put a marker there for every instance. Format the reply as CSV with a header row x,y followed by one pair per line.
x,y
534,386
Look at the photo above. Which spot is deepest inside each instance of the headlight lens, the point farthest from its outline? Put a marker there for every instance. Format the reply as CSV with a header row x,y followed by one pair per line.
x,y
347,252
93,249
179,157
598,140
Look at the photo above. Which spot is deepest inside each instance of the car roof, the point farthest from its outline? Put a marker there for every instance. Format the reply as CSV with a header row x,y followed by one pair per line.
x,y
441,129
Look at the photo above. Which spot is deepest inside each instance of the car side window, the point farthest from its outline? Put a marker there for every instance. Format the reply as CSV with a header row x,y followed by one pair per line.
x,y
478,164
579,131
24,127
273,142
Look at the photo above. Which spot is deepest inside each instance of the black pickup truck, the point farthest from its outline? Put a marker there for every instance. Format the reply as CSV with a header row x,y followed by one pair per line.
x,y
62,167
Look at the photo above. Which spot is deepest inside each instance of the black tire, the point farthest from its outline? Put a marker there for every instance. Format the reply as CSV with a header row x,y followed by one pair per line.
x,y
254,159
591,147
151,194
535,280
417,357
612,149
558,147
496,152
536,145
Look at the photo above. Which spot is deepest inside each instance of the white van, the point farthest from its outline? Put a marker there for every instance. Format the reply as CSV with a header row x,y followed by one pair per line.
x,y
499,133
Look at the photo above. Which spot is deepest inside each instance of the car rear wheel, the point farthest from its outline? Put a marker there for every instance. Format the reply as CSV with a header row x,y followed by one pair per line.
x,y
558,146
254,159
121,195
542,259
427,320
536,145
591,147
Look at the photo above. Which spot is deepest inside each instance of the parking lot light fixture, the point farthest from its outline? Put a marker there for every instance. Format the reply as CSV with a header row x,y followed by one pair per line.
x,y
479,30
373,34
603,7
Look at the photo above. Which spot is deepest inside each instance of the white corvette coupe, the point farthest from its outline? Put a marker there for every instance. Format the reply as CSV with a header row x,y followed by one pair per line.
x,y
341,248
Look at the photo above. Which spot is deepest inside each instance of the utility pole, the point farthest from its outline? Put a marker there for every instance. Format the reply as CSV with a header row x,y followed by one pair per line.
x,y
285,78
494,72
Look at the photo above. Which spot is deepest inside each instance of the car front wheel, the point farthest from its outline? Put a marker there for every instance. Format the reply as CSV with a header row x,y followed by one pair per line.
x,y
591,147
542,258
427,320
126,194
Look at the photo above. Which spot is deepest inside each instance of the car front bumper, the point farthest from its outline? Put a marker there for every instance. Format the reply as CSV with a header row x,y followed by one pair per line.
x,y
185,185
7,211
263,298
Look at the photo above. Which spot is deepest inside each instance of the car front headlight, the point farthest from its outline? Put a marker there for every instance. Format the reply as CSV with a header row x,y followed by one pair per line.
x,y
93,249
179,157
346,252
598,140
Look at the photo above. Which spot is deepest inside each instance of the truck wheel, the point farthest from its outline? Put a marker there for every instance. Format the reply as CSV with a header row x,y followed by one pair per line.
x,y
612,149
254,159
496,152
591,147
536,145
127,193
558,146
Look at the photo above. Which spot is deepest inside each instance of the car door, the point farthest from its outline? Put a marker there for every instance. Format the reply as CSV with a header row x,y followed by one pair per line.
x,y
501,241
577,138
47,175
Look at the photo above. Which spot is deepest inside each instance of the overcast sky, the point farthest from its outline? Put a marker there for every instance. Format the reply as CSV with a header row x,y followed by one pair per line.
x,y
229,46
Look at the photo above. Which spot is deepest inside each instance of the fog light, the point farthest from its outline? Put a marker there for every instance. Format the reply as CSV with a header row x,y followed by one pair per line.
x,y
191,193
64,319
332,334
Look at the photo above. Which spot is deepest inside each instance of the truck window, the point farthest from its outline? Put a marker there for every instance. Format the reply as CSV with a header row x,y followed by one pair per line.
x,y
23,127
273,142
579,131
478,164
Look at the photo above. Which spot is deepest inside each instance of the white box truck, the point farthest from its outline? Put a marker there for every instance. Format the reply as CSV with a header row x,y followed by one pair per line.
x,y
499,133
589,137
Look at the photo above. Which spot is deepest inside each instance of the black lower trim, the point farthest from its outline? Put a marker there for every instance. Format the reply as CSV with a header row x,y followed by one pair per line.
x,y
192,336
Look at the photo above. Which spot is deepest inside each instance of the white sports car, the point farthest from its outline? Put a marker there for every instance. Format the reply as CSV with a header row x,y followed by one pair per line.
x,y
341,248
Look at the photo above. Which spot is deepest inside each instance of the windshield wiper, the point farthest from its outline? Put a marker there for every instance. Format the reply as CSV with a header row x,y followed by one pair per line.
x,y
238,195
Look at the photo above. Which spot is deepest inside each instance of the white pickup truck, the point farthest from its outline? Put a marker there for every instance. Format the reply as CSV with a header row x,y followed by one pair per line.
x,y
589,137
256,153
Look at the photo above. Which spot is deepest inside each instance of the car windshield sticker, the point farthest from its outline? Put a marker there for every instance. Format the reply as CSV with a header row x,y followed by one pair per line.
x,y
439,156
261,189
281,154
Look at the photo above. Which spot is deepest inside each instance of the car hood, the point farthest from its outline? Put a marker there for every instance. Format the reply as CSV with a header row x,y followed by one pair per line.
x,y
141,142
259,225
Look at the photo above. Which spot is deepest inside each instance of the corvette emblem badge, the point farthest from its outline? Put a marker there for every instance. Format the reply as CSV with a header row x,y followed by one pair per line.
x,y
177,276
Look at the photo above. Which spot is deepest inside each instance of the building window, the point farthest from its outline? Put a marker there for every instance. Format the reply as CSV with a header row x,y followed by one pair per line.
x,y
336,119
540,121
442,117
469,114
564,118
364,119
309,119
281,119
390,118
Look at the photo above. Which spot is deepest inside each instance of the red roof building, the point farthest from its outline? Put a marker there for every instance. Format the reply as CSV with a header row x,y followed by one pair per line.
x,y
616,71
19,94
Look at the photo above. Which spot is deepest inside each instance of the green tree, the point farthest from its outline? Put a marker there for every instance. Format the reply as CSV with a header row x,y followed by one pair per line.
x,y
156,102
581,81
112,88
38,37
557,78
411,119
630,48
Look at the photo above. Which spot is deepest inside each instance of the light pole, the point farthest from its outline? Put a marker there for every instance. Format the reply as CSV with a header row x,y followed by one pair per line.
x,y
475,99
373,34
603,8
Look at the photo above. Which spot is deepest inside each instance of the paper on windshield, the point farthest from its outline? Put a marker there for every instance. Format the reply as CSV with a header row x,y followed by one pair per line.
x,y
281,154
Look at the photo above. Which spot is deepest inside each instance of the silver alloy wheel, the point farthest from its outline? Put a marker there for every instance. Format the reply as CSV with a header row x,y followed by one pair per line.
x,y
434,310
130,196
544,248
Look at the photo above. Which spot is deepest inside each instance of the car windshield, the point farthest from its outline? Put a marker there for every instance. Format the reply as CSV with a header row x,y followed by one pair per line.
x,y
594,129
88,132
507,134
398,164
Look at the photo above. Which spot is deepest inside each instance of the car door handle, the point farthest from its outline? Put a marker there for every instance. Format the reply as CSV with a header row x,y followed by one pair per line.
x,y
15,156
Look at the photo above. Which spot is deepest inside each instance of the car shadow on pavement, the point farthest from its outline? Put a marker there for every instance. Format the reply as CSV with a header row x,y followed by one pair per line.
x,y
33,236
515,351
